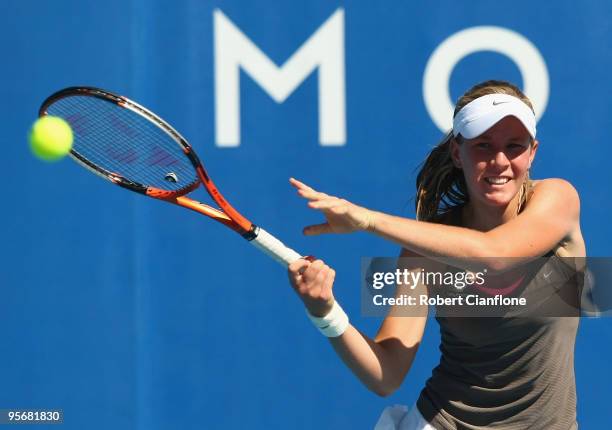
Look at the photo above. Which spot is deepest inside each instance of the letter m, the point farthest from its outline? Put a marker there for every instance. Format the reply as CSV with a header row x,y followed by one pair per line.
x,y
324,50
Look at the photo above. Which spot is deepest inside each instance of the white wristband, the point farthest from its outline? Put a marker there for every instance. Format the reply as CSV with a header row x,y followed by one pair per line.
x,y
333,324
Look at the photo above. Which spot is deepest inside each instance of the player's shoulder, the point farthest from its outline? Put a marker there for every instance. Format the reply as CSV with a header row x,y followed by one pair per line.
x,y
554,195
554,187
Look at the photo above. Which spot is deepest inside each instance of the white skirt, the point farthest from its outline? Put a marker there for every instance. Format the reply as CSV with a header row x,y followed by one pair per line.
x,y
397,417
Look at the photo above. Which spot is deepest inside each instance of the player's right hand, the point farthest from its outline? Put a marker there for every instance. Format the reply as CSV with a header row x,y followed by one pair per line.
x,y
313,283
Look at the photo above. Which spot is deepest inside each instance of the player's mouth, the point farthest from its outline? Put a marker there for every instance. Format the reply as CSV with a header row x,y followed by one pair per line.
x,y
497,180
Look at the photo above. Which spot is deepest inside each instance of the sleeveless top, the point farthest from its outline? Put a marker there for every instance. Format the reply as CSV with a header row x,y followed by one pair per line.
x,y
506,372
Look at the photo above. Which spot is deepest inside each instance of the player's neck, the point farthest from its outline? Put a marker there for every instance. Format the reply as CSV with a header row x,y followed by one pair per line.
x,y
481,217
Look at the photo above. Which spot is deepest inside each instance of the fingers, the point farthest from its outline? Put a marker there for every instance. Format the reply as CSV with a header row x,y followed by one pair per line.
x,y
326,288
313,230
296,269
298,266
313,282
315,279
312,194
307,272
306,191
337,211
327,203
298,184
312,270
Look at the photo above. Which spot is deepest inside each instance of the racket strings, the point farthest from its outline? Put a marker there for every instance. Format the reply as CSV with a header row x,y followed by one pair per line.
x,y
123,142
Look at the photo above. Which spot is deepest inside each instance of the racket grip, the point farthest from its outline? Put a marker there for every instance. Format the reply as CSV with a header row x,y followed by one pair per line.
x,y
276,249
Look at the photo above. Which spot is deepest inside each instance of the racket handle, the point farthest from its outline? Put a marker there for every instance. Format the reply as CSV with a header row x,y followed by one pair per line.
x,y
276,249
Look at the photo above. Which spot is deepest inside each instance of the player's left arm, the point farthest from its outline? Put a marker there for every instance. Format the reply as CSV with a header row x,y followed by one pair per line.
x,y
550,215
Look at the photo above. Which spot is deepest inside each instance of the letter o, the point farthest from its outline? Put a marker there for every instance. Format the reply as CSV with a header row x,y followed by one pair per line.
x,y
443,60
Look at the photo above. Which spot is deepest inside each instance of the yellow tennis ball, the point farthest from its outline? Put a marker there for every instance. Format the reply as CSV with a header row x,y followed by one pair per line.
x,y
50,138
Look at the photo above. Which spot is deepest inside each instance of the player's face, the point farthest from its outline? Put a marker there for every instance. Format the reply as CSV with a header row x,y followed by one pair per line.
x,y
496,162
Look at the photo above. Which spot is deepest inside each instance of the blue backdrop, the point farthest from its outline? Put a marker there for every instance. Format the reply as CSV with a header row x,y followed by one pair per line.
x,y
113,311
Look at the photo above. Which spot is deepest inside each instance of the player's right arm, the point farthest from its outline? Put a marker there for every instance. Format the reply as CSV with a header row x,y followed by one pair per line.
x,y
380,363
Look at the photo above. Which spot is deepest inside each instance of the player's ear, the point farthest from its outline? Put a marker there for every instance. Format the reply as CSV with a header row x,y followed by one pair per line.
x,y
454,152
534,149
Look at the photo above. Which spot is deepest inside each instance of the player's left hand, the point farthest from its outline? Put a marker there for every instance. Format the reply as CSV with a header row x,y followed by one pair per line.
x,y
342,216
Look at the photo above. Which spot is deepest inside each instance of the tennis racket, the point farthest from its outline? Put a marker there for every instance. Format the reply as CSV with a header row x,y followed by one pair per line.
x,y
132,147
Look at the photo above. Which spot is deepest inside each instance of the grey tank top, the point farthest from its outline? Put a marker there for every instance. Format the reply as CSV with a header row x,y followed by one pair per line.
x,y
505,373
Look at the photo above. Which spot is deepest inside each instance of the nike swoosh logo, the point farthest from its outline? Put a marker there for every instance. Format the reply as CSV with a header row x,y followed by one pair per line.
x,y
495,102
546,275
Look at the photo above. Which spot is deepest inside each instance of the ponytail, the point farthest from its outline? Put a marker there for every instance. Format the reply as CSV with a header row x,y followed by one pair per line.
x,y
440,185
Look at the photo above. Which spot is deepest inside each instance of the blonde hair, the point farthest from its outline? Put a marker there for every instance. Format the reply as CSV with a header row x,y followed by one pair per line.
x,y
440,185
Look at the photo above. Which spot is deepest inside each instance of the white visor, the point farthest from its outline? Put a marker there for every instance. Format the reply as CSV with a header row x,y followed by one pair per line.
x,y
483,113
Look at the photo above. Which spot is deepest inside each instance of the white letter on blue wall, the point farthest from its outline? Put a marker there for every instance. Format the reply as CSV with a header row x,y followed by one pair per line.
x,y
323,50
496,39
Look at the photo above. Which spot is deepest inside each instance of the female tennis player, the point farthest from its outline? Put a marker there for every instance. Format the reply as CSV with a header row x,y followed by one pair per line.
x,y
475,200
